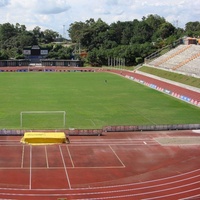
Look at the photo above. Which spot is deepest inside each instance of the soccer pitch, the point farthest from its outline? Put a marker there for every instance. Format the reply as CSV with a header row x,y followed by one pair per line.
x,y
90,100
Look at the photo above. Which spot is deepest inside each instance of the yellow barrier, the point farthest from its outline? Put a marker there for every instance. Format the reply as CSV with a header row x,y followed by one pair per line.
x,y
43,138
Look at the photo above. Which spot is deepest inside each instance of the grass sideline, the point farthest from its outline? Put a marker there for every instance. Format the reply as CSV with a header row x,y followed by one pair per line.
x,y
188,80
89,101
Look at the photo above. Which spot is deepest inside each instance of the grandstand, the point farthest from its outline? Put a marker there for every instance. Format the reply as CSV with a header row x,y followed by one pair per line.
x,y
183,59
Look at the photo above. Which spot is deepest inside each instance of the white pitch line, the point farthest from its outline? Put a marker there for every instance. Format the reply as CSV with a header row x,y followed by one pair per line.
x,y
92,121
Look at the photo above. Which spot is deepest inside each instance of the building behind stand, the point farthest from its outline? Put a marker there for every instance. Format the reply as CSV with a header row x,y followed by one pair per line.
x,y
36,56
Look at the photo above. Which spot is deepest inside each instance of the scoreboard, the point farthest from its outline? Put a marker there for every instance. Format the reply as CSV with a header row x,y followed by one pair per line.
x,y
35,51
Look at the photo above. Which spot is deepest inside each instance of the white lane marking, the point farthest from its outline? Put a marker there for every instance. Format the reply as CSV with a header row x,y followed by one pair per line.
x,y
30,170
67,176
117,156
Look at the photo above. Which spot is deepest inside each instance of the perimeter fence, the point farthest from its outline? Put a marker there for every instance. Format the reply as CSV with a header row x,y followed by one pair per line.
x,y
98,132
151,127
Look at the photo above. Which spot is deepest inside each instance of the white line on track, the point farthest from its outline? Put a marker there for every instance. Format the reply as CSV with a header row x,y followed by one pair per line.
x,y
121,190
112,192
104,140
22,161
133,195
117,156
125,144
70,156
30,170
46,155
44,168
67,176
173,194
122,185
191,197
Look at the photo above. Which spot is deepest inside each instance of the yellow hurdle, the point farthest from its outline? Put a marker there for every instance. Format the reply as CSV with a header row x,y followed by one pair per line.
x,y
43,138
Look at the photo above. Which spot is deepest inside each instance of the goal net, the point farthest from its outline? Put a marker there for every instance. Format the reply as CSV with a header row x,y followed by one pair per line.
x,y
43,119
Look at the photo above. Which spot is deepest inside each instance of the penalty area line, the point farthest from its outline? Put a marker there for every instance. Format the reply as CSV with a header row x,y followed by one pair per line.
x,y
91,121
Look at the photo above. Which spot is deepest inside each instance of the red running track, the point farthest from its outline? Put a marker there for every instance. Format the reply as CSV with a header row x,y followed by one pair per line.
x,y
112,166
176,89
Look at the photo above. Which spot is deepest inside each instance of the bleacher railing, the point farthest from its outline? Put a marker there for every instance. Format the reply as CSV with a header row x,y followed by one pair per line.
x,y
162,51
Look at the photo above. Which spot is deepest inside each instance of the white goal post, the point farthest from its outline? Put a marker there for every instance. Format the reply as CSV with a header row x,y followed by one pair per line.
x,y
63,113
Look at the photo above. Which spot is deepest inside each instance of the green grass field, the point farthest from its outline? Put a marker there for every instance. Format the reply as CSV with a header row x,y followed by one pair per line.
x,y
88,101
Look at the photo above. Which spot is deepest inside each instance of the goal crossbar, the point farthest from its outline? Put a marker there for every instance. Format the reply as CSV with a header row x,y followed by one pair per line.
x,y
42,112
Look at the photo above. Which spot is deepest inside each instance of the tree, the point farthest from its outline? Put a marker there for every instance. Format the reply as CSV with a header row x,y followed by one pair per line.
x,y
38,34
49,36
192,29
133,40
7,31
142,33
166,30
3,55
154,21
127,34
75,31
20,28
97,57
94,35
116,32
60,52
130,40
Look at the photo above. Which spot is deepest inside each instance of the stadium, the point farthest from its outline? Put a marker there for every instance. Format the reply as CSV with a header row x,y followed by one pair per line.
x,y
71,132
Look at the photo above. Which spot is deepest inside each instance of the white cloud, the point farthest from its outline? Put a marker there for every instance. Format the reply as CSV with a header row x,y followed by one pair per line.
x,y
43,6
4,3
53,14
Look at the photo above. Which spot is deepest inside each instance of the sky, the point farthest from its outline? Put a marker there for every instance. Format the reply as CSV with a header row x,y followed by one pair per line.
x,y
57,15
